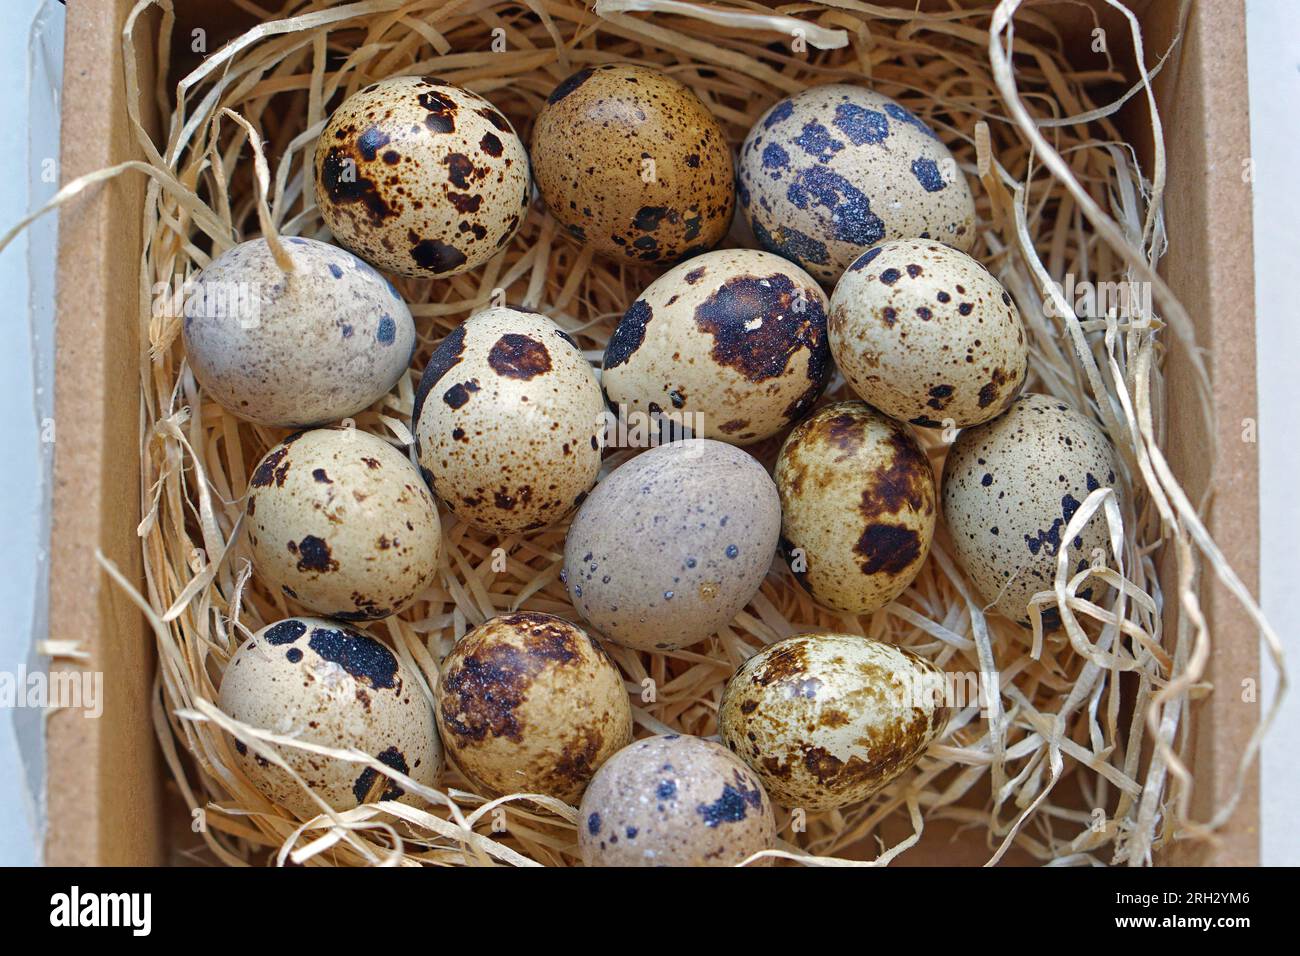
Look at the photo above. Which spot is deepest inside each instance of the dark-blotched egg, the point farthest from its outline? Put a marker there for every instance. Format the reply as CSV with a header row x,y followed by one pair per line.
x,y
528,703
421,177
858,506
674,800
827,720
307,347
326,683
672,544
633,164
1010,488
342,522
732,342
832,170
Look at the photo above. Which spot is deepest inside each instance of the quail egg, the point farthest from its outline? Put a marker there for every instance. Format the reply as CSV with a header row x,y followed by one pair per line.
x,y
1010,488
925,334
673,544
827,720
509,422
832,170
858,505
528,703
325,683
674,800
631,163
308,347
421,177
341,522
731,343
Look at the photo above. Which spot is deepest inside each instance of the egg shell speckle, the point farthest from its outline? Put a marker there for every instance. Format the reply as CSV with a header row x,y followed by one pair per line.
x,y
1010,488
633,165
924,333
827,720
528,702
732,342
674,800
421,177
303,348
858,502
509,421
837,168
672,544
341,522
326,683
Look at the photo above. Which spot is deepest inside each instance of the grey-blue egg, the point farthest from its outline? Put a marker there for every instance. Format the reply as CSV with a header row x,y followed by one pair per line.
x,y
673,544
308,347
837,168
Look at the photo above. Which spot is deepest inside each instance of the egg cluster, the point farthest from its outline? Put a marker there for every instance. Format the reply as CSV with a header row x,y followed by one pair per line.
x,y
865,222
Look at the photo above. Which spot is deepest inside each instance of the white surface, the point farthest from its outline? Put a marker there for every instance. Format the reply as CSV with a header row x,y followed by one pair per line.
x,y
1273,39
35,40
26,288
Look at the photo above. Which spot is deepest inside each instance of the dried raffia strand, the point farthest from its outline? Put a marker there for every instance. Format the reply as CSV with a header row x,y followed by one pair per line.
x,y
1049,162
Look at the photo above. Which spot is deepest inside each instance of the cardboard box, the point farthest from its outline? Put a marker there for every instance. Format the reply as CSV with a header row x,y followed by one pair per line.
x,y
106,778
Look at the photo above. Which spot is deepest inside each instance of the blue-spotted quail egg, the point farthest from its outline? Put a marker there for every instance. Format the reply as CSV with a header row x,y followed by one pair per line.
x,y
858,505
672,544
1010,488
924,333
827,720
325,683
674,800
509,420
633,164
528,703
832,170
340,521
306,347
732,343
421,177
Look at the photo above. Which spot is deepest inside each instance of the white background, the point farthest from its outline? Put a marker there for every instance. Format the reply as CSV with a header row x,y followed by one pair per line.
x,y
30,50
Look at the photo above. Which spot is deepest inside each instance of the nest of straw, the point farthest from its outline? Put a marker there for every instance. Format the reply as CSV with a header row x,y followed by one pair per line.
x,y
1077,758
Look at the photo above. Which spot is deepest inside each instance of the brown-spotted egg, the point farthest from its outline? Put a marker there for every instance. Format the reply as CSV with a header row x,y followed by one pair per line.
x,y
674,800
325,683
307,347
528,703
509,420
732,343
827,720
672,544
421,177
1010,488
341,521
858,506
832,170
924,333
632,164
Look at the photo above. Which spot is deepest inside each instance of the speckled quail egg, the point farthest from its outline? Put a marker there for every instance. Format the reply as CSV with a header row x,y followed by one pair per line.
x,y
731,343
341,522
858,505
837,168
528,703
632,164
674,800
302,348
925,334
827,720
421,177
672,544
1010,488
509,420
325,683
